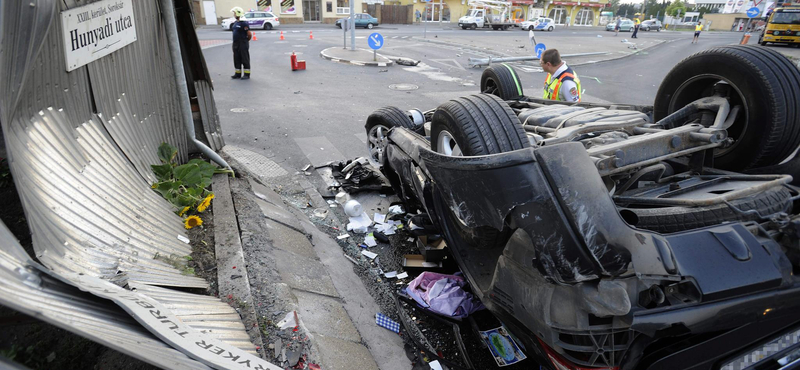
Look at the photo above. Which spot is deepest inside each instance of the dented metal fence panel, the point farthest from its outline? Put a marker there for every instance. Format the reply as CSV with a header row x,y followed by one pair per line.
x,y
207,314
141,74
88,210
28,289
209,115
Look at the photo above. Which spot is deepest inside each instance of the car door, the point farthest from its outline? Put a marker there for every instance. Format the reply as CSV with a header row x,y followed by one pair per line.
x,y
360,20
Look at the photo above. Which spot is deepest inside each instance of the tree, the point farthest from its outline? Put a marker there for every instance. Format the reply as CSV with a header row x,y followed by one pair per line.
x,y
655,8
678,7
704,9
613,5
626,10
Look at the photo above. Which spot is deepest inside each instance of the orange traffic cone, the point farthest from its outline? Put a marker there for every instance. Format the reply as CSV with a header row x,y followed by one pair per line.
x,y
310,35
254,37
282,36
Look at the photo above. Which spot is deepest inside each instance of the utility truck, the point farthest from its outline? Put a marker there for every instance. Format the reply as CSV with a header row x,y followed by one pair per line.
x,y
493,14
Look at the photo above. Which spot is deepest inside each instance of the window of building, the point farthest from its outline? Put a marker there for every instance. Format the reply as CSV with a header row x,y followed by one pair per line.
x,y
559,14
342,6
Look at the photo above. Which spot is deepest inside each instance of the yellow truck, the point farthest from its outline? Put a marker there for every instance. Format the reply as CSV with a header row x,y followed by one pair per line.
x,y
783,26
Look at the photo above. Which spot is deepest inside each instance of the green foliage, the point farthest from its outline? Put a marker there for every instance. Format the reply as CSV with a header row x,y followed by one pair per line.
x,y
678,7
185,185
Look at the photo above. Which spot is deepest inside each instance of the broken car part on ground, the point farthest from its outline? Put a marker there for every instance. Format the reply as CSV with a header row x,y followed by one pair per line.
x,y
619,236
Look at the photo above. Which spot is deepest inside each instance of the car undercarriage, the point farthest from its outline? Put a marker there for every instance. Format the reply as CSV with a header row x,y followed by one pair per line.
x,y
616,236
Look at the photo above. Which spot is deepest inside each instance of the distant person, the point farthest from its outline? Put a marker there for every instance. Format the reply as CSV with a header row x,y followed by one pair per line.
x,y
568,21
241,45
562,83
616,27
418,15
636,28
697,29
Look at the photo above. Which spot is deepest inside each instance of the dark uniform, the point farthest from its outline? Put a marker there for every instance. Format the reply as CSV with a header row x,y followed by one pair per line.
x,y
241,48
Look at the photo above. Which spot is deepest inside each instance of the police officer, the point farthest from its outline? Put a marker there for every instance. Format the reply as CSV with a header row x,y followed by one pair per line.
x,y
241,45
562,83
637,24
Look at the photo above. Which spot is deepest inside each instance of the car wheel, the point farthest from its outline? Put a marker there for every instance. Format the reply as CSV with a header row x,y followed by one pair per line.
x,y
675,219
473,26
550,29
764,82
502,81
339,25
477,125
378,125
658,29
267,26
369,26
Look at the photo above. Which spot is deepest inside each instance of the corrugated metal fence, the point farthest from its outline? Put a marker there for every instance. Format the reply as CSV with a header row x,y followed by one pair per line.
x,y
80,145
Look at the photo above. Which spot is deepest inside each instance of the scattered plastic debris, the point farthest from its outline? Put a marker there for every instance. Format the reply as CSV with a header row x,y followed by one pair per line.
x,y
385,322
402,275
369,254
381,237
396,210
435,365
289,321
353,208
443,294
359,224
343,236
390,274
306,167
369,240
342,197
183,239
379,218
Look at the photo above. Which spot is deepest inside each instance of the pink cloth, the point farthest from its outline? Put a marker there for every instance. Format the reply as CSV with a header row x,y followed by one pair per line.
x,y
443,294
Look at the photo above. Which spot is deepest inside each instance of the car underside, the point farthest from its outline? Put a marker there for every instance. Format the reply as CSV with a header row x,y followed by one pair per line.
x,y
618,236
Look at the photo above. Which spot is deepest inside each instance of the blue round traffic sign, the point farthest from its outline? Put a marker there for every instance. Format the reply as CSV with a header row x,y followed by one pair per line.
x,y
539,49
753,12
375,41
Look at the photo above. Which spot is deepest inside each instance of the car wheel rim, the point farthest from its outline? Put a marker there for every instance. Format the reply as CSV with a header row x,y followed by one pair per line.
x,y
702,86
376,143
446,144
491,87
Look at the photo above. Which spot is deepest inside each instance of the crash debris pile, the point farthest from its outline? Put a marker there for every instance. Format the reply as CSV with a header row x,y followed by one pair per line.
x,y
407,268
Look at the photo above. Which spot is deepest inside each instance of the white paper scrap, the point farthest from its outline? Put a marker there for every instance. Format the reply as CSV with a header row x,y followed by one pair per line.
x,y
369,254
183,239
369,240
435,365
343,236
402,276
379,218
390,274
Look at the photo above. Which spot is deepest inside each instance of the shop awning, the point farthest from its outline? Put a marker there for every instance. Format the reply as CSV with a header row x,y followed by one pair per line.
x,y
593,5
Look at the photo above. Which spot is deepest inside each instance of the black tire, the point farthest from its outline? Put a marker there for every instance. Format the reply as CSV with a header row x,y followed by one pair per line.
x,y
387,117
675,219
501,80
481,125
473,26
762,80
550,29
369,26
339,25
267,26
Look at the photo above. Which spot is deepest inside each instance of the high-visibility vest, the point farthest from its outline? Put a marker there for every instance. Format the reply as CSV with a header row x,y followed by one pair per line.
x,y
552,88
698,28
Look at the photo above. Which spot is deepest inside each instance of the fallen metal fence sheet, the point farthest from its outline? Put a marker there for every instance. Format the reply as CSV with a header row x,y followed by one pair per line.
x,y
87,210
142,75
209,115
206,314
27,289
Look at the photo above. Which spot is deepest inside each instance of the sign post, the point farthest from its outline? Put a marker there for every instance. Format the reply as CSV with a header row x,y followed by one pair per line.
x,y
96,30
539,49
375,42
352,26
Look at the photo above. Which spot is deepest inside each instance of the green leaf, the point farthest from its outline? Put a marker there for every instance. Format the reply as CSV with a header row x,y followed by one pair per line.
x,y
163,171
196,193
194,174
185,200
167,153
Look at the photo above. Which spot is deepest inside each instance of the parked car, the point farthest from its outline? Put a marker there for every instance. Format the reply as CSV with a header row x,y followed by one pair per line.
x,y
625,26
650,25
256,20
362,20
540,24
620,236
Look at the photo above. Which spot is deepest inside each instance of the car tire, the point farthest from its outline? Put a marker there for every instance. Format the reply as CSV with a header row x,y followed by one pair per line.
x,y
378,125
502,81
339,25
676,219
369,26
481,125
267,26
473,26
762,80
550,29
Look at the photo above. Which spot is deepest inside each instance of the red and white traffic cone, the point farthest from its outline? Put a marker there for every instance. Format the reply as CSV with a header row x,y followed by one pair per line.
x,y
310,35
282,36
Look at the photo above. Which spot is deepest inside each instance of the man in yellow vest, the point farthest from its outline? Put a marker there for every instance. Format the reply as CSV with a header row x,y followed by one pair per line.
x,y
697,29
636,25
562,83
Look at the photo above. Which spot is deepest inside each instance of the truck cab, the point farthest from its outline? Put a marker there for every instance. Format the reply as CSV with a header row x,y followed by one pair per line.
x,y
474,19
783,26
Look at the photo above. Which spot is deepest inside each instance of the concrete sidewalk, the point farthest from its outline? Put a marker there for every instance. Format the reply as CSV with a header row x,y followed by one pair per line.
x,y
290,265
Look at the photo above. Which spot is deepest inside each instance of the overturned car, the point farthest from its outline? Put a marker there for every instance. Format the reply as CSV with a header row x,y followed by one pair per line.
x,y
621,236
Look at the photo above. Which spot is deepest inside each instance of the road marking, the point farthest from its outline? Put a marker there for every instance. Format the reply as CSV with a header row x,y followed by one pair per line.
x,y
450,63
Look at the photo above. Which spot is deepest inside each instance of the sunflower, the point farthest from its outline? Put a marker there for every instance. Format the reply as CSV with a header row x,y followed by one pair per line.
x,y
192,221
205,203
183,211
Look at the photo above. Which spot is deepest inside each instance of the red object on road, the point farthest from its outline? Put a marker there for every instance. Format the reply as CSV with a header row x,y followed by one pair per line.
x,y
297,65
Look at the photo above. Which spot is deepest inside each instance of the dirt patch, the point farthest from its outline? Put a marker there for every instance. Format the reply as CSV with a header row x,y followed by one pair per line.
x,y
203,262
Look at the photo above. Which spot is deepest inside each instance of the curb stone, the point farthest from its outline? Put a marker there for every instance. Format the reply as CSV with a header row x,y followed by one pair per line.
x,y
354,62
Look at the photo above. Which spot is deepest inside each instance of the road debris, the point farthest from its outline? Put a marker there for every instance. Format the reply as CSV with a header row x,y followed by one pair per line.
x,y
385,322
289,321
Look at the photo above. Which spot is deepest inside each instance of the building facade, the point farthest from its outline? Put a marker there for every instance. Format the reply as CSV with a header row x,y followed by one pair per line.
x,y
288,11
576,13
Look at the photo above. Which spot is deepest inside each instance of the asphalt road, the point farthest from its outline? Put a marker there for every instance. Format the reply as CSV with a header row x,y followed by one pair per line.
x,y
318,115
